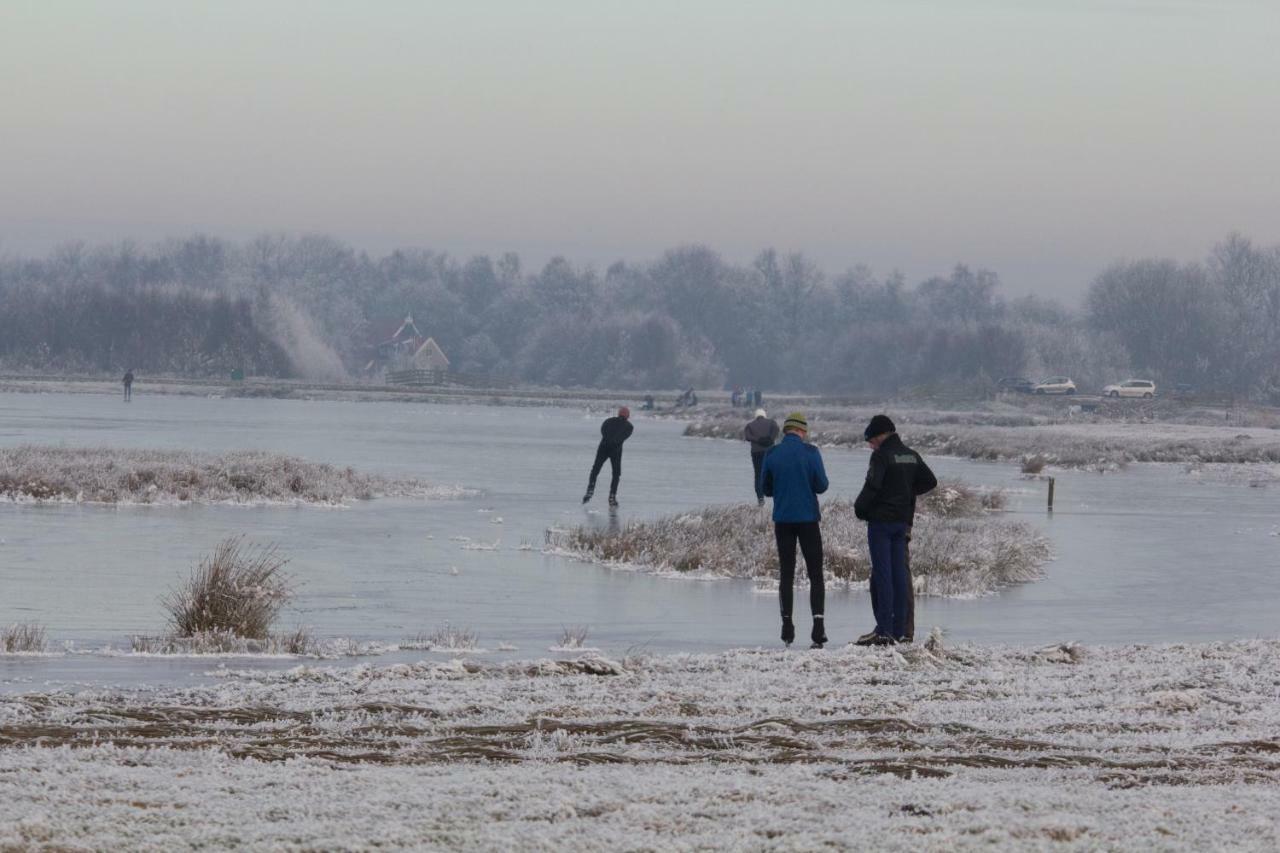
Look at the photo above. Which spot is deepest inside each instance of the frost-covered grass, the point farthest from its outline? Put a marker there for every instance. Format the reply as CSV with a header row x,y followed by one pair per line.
x,y
22,638
574,636
449,638
1092,444
956,548
116,476
238,590
228,605
922,748
221,642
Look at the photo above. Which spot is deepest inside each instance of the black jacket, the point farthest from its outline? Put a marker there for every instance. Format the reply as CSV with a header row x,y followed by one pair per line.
x,y
895,477
762,433
614,431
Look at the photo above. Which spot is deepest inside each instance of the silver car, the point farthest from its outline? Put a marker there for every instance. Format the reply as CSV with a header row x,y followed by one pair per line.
x,y
1056,385
1131,388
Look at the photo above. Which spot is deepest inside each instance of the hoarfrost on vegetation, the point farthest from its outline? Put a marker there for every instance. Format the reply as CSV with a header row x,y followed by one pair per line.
x,y
450,638
925,747
1100,445
22,638
957,548
119,476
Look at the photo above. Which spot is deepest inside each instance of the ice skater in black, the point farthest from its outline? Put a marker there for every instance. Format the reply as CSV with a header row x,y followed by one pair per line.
x,y
128,385
613,432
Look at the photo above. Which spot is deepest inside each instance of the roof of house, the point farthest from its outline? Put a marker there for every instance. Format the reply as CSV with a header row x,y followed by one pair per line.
x,y
392,331
430,347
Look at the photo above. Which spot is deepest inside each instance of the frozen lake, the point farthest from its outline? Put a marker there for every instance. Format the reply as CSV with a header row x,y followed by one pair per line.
x,y
1148,554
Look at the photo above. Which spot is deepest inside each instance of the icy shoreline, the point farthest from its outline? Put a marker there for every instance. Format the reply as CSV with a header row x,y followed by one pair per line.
x,y
924,747
38,474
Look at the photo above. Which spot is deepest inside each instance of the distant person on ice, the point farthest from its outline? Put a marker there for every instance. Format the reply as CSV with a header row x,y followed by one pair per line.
x,y
792,474
128,385
613,432
763,435
896,476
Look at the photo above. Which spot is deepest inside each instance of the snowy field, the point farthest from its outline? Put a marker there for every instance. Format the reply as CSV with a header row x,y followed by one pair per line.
x,y
917,748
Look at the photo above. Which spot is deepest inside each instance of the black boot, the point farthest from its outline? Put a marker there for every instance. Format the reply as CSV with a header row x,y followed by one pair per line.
x,y
613,501
819,633
788,630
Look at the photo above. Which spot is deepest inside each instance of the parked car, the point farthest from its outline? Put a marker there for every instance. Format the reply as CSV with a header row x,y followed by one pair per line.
x,y
1056,385
1131,388
1015,385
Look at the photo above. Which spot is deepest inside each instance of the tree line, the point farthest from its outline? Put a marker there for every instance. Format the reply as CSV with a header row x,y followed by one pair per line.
x,y
306,306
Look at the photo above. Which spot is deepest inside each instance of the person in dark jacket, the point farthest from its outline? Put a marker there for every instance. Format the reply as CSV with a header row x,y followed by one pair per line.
x,y
762,433
128,385
613,432
896,476
792,474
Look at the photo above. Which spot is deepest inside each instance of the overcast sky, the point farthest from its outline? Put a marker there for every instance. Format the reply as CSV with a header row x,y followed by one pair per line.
x,y
1039,138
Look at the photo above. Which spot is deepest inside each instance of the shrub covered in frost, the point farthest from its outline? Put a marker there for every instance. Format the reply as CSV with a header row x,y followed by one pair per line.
x,y
237,590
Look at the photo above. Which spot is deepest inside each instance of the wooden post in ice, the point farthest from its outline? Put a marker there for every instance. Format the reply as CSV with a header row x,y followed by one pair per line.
x,y
1050,494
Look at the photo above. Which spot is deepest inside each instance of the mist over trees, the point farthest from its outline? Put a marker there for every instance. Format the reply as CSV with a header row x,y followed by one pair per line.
x,y
308,306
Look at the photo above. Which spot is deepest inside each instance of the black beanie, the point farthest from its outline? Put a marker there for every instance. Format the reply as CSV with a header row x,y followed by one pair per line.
x,y
879,424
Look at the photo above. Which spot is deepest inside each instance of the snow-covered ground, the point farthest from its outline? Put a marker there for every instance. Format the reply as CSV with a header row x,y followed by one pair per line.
x,y
915,748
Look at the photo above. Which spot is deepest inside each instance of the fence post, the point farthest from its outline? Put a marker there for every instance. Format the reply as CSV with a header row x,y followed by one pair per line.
x,y
1051,483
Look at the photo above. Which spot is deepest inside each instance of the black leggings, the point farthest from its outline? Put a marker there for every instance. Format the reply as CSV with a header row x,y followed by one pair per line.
x,y
614,454
809,536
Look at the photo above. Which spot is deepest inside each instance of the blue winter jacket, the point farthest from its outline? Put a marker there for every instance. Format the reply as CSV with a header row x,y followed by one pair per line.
x,y
792,474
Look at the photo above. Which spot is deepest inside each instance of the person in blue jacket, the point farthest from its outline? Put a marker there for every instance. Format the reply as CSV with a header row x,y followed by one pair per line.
x,y
792,474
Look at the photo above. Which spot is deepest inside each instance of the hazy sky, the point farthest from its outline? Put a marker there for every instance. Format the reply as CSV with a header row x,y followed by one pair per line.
x,y
1039,138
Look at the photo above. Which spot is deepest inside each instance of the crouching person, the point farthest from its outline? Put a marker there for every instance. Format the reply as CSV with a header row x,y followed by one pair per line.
x,y
792,474
896,476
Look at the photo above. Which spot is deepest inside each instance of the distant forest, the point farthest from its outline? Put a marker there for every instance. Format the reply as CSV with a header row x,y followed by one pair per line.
x,y
306,307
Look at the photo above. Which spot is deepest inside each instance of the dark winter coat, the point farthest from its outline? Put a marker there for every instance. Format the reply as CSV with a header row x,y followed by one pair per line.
x,y
762,433
792,474
896,475
614,431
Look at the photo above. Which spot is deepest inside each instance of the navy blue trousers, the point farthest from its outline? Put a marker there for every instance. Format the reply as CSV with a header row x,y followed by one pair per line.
x,y
889,583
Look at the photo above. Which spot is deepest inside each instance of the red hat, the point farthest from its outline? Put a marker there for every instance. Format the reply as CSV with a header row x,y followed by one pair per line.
x,y
624,412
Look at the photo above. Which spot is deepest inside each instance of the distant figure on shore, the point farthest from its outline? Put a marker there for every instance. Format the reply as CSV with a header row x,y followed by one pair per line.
x,y
613,432
794,477
762,432
896,476
128,385
687,399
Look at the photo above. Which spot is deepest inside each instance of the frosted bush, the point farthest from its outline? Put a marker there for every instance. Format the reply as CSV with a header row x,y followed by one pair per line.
x,y
237,590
